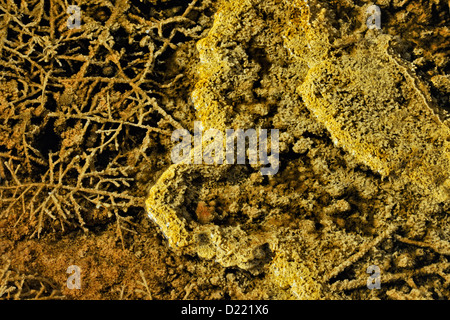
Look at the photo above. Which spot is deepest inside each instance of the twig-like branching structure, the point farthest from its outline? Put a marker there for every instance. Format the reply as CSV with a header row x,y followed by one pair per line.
x,y
17,286
81,110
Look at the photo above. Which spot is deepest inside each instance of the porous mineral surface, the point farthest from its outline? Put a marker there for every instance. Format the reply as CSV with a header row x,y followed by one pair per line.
x,y
364,150
87,177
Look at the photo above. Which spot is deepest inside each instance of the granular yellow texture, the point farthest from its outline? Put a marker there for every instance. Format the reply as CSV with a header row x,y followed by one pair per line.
x,y
375,111
342,100
168,206
296,277
371,101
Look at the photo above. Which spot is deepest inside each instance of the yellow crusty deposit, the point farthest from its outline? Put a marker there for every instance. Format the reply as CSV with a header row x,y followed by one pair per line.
x,y
167,204
224,95
373,109
371,102
373,106
295,276
298,65
228,245
164,215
